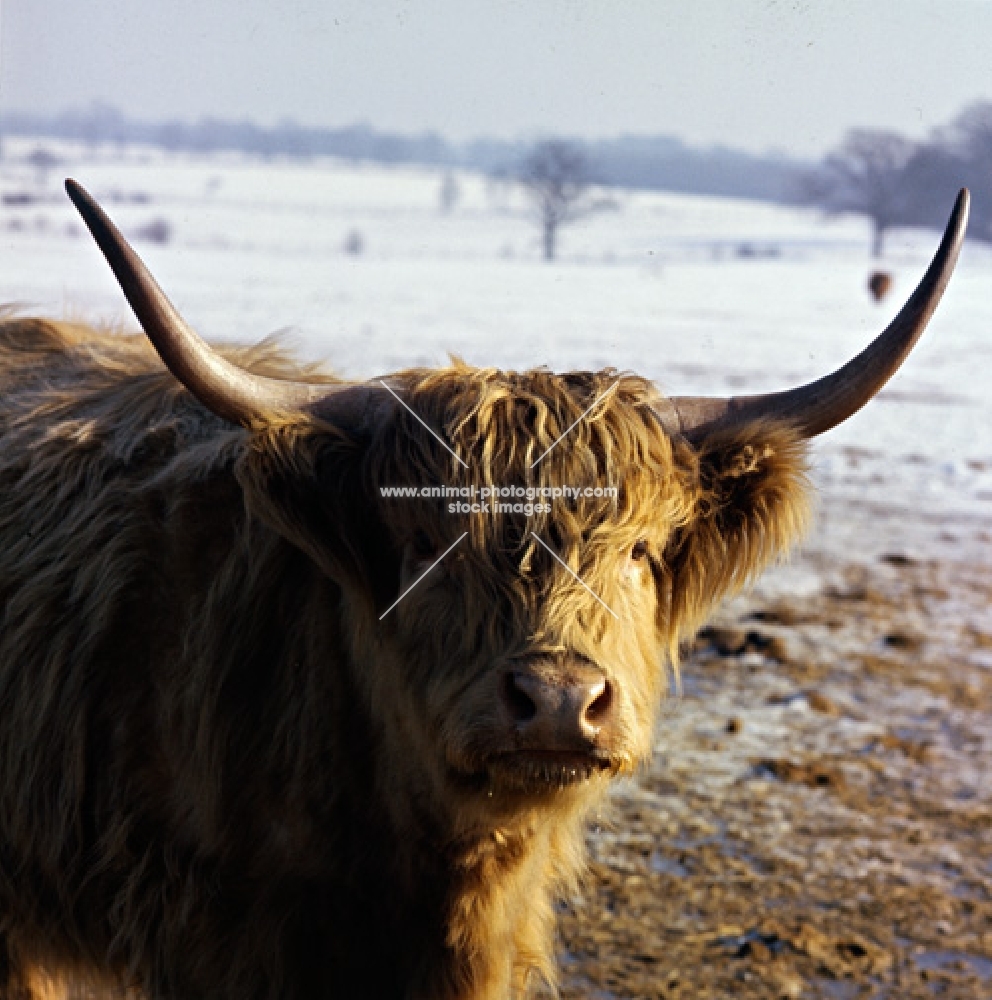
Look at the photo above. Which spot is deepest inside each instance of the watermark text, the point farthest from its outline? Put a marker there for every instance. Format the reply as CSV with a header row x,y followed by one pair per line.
x,y
492,499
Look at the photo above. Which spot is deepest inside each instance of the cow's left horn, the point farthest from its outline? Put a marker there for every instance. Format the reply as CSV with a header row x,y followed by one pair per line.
x,y
229,391
820,405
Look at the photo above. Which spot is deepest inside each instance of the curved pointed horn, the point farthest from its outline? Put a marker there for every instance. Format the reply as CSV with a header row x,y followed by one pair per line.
x,y
229,391
820,405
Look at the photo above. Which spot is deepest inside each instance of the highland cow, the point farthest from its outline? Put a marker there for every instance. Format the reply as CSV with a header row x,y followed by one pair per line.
x,y
879,284
231,764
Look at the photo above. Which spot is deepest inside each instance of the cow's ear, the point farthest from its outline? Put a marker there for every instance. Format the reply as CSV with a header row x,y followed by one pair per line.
x,y
304,481
751,504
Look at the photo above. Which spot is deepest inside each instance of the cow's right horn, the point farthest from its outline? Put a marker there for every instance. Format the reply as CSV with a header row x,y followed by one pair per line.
x,y
230,392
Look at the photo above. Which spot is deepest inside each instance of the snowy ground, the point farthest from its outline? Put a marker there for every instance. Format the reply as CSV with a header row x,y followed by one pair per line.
x,y
883,618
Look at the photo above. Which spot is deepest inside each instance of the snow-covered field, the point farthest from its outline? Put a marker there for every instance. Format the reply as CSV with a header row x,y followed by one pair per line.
x,y
701,294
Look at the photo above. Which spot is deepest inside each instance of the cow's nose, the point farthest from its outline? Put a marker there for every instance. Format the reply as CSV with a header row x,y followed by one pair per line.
x,y
560,709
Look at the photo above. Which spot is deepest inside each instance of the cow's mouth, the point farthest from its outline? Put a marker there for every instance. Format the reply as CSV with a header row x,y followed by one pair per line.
x,y
546,769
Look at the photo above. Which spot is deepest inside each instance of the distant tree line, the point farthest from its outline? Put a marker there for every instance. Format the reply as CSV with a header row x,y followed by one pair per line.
x,y
894,181
660,163
890,179
103,123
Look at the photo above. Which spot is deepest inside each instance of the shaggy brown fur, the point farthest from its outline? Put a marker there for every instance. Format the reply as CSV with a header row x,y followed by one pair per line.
x,y
221,775
879,283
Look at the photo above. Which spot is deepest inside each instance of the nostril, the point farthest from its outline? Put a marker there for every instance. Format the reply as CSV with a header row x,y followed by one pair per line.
x,y
557,709
521,705
599,708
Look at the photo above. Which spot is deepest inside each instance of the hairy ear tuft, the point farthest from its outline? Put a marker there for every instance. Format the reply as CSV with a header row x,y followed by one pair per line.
x,y
299,479
752,505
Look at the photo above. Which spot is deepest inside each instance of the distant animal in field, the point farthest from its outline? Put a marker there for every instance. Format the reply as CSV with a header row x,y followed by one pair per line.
x,y
879,284
267,731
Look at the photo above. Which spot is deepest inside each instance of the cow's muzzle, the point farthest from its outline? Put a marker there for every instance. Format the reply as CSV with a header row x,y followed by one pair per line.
x,y
557,706
559,720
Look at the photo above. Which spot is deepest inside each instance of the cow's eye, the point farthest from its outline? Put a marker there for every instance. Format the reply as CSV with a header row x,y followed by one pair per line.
x,y
423,547
639,550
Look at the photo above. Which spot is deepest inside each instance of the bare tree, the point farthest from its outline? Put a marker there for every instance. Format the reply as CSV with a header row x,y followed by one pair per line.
x,y
973,131
556,177
968,141
867,175
448,193
932,177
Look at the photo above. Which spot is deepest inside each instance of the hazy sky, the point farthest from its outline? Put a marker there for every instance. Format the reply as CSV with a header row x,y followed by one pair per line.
x,y
753,74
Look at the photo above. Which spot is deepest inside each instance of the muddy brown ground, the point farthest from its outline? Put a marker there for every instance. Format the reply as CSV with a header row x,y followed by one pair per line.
x,y
817,820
